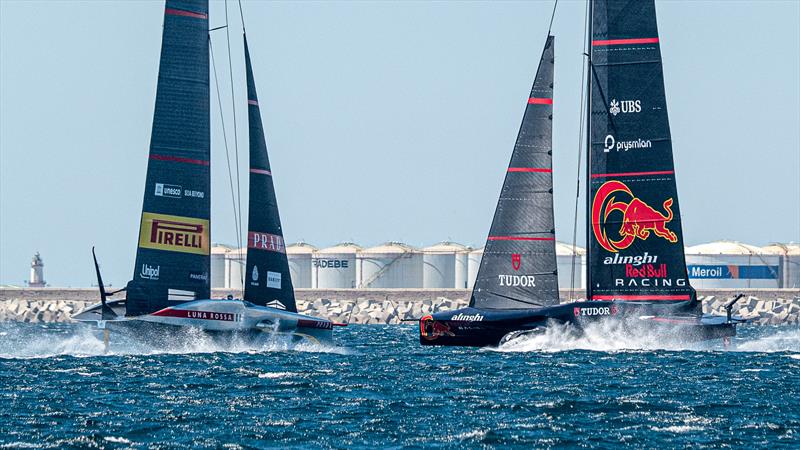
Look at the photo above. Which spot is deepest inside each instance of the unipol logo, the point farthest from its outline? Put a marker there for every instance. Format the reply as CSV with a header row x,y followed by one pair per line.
x,y
624,106
265,241
150,272
516,261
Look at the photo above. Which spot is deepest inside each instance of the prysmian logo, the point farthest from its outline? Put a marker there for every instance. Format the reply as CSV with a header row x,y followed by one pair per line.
x,y
595,311
168,190
517,280
624,106
637,260
612,144
150,272
467,317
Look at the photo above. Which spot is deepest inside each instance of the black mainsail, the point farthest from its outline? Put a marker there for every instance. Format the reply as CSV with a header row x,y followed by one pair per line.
x,y
518,269
634,223
173,256
267,279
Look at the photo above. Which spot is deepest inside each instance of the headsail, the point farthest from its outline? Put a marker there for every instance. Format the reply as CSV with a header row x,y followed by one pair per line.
x,y
518,269
173,256
636,242
267,279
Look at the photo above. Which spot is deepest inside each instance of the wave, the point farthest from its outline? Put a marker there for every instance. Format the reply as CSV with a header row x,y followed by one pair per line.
x,y
27,341
606,337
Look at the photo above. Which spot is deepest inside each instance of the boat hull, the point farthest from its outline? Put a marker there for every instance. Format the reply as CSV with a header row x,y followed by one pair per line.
x,y
221,318
471,327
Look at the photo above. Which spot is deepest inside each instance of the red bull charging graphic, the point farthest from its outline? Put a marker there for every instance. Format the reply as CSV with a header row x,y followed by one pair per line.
x,y
638,219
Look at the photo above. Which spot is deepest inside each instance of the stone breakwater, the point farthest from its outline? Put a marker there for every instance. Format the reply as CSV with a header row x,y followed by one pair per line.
x,y
383,306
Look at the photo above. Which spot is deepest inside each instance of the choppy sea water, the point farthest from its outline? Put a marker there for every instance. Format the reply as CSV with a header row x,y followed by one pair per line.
x,y
379,388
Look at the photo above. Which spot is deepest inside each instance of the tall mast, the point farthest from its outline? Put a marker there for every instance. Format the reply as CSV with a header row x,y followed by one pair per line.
x,y
588,132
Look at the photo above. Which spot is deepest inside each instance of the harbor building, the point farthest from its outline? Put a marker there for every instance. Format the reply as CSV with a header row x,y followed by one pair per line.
x,y
448,265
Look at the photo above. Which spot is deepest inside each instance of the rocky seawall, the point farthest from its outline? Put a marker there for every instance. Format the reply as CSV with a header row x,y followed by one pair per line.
x,y
384,306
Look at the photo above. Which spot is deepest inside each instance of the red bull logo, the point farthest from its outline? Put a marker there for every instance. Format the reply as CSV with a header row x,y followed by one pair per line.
x,y
639,220
430,329
516,261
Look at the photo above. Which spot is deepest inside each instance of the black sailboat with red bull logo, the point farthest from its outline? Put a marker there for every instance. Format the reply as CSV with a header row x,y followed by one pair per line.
x,y
637,274
171,284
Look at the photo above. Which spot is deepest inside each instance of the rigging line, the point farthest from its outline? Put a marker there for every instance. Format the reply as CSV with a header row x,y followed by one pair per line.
x,y
225,140
578,183
241,15
552,16
235,139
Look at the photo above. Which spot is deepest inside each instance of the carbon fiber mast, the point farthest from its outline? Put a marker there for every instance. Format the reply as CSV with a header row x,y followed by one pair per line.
x,y
267,279
635,240
518,269
173,255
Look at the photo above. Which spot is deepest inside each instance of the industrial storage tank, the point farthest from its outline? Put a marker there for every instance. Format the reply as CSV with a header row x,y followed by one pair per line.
x,y
462,268
391,265
439,265
789,263
564,261
732,265
334,267
299,255
235,263
473,264
218,253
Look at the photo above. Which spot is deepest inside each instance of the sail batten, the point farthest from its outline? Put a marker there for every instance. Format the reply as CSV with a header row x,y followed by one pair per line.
x,y
267,278
636,242
173,254
518,268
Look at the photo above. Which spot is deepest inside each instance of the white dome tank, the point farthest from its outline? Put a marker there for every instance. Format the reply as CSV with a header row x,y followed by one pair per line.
x,y
218,253
439,265
391,265
732,265
462,268
235,261
473,264
564,257
790,263
299,255
334,267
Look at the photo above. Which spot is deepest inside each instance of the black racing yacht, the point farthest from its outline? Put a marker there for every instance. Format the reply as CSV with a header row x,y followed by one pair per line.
x,y
171,283
637,279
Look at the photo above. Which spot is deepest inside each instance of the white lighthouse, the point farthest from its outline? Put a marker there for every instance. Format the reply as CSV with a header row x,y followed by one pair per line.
x,y
37,272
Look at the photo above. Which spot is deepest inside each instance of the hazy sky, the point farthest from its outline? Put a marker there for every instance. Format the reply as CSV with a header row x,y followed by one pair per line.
x,y
384,121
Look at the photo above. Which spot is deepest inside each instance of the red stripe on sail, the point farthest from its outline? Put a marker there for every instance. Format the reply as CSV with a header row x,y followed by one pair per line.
x,y
632,174
199,162
252,102
540,101
641,297
529,169
520,238
261,171
180,12
599,43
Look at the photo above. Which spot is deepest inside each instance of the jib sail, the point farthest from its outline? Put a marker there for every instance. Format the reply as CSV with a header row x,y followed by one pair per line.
x,y
636,242
267,279
172,260
518,269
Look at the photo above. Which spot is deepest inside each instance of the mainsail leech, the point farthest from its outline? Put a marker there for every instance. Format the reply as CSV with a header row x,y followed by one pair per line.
x,y
173,255
636,242
519,259
267,278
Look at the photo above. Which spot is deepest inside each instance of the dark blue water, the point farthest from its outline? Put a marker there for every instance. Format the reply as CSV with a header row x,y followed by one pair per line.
x,y
379,388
